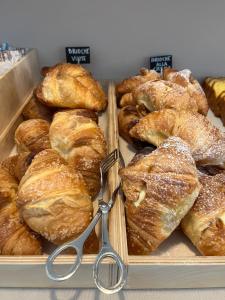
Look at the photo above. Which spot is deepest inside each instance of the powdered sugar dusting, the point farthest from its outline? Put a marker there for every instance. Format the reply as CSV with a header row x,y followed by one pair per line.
x,y
186,73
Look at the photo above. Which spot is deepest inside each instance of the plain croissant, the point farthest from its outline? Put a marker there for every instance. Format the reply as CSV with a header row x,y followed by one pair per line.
x,y
17,164
36,110
71,86
15,237
80,141
32,136
53,199
160,188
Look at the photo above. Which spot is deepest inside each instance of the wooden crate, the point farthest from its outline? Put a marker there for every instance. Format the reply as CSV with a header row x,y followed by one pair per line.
x,y
29,271
176,263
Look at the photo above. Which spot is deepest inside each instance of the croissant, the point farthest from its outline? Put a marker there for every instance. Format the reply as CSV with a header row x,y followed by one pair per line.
x,y
160,188
185,79
215,92
80,141
129,116
205,224
206,141
159,94
82,112
32,136
214,88
15,237
129,84
71,86
9,164
45,70
127,99
53,199
17,165
8,188
36,110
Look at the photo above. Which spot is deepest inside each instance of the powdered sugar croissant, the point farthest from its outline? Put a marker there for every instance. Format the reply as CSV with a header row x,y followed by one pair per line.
x,y
160,188
205,222
185,79
160,94
207,142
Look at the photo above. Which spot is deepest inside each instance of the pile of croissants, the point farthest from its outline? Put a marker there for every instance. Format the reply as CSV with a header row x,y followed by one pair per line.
x,y
47,189
182,182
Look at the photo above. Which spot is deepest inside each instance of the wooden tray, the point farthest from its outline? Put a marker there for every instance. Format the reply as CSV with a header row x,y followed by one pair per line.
x,y
176,263
29,271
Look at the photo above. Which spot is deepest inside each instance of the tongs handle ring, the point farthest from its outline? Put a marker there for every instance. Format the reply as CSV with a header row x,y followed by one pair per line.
x,y
110,253
72,270
78,245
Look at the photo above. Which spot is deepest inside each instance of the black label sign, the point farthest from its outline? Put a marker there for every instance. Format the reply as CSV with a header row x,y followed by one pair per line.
x,y
158,63
78,55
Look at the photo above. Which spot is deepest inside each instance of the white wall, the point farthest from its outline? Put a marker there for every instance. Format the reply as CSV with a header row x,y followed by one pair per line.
x,y
122,34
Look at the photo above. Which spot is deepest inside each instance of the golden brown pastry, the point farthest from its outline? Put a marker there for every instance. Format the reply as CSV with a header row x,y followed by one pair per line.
x,y
221,106
215,92
214,88
36,110
15,237
129,116
185,79
205,222
17,165
53,198
8,187
9,164
160,188
129,84
127,99
206,141
80,141
23,162
45,70
71,86
32,136
82,112
160,94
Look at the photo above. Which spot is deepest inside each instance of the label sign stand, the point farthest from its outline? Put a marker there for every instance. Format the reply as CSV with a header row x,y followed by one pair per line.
x,y
78,55
158,63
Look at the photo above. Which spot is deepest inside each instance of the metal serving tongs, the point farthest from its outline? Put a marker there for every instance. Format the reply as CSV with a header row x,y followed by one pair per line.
x,y
106,249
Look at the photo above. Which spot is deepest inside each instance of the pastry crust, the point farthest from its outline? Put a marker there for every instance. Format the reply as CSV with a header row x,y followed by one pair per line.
x,y
128,117
71,86
53,198
185,79
127,99
80,141
205,222
160,94
36,110
206,141
129,84
160,188
17,165
215,92
32,136
15,237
